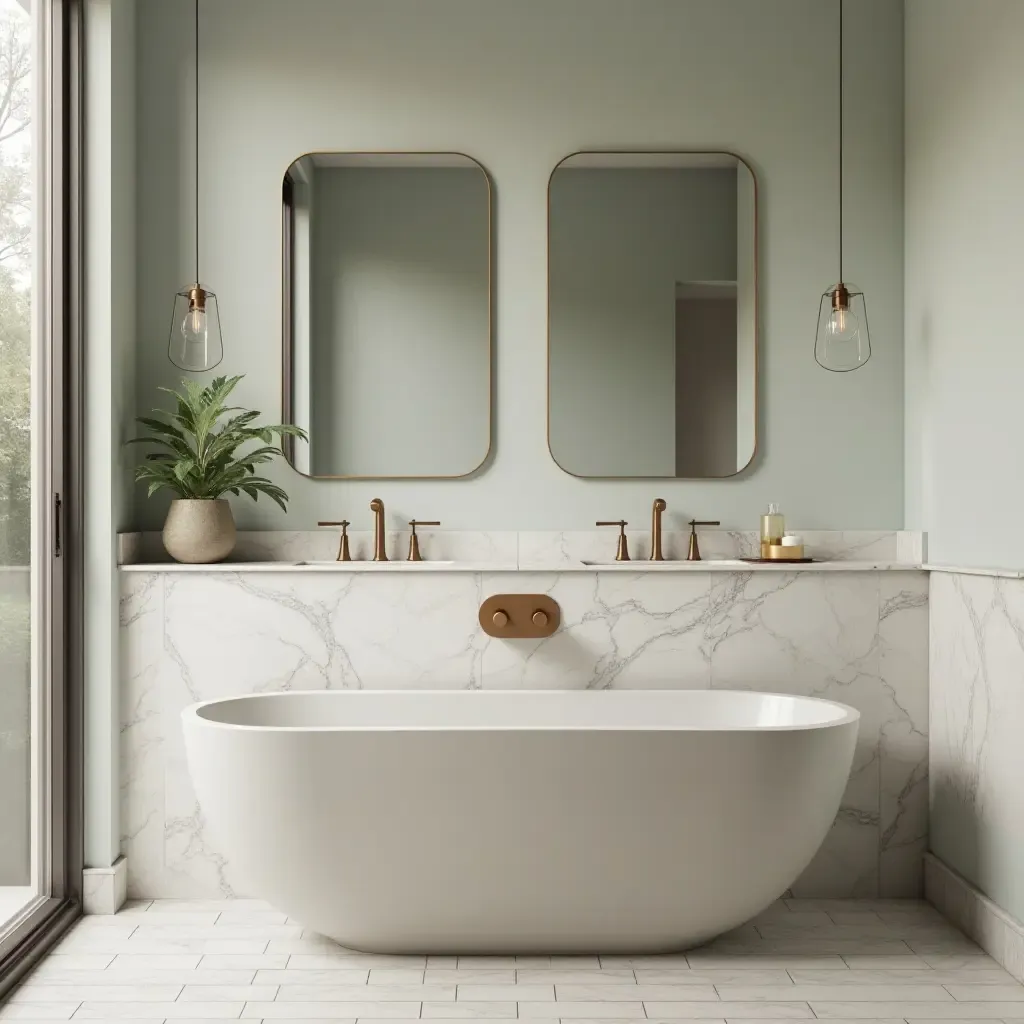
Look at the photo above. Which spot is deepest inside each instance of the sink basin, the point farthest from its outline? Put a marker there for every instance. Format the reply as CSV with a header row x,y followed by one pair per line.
x,y
644,564
393,566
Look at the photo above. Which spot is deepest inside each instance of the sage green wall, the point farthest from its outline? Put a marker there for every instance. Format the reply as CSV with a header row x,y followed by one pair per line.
x,y
965,363
519,86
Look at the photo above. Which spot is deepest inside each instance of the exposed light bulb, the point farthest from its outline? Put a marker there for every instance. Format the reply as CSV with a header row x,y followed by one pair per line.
x,y
842,341
193,327
843,325
196,343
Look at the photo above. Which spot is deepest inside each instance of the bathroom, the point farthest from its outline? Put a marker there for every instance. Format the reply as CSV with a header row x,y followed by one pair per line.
x,y
307,761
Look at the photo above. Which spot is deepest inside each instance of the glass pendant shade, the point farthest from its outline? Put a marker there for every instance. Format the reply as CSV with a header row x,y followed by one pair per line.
x,y
195,342
842,342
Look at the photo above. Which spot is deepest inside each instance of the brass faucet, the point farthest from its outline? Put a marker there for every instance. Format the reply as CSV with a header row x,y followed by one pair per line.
x,y
380,553
693,555
343,552
659,506
622,553
414,541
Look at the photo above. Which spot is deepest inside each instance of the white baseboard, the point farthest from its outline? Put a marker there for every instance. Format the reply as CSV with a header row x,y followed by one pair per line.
x,y
999,934
104,890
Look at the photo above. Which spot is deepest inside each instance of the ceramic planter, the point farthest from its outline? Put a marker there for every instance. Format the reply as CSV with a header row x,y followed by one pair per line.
x,y
199,530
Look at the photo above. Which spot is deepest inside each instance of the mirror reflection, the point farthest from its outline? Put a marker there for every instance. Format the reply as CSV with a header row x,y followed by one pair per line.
x,y
387,322
652,314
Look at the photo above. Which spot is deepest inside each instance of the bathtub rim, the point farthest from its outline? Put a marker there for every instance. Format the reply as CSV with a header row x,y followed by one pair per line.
x,y
844,715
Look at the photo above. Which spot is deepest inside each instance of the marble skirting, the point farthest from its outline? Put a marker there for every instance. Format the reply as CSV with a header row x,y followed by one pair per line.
x,y
977,731
859,638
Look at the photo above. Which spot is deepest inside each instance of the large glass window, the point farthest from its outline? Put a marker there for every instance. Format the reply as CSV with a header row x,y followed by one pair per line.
x,y
36,200
16,428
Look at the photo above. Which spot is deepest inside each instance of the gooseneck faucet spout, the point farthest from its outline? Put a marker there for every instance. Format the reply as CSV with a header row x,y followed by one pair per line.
x,y
659,506
380,553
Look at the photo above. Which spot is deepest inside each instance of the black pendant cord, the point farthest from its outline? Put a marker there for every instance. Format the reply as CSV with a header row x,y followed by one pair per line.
x,y
196,55
840,139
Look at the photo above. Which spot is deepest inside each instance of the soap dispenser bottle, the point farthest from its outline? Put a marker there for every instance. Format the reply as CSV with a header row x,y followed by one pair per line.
x,y
773,527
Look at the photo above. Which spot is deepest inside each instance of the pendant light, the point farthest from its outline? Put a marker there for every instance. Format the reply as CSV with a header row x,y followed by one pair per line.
x,y
842,342
195,342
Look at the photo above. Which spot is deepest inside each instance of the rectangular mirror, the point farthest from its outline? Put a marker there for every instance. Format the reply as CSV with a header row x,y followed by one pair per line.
x,y
652,314
387,314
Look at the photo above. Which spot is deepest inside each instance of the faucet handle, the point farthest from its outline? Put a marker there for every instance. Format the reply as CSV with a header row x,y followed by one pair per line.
x,y
343,552
693,555
414,544
622,554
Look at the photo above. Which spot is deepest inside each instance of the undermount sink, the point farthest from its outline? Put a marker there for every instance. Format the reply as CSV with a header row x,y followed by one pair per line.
x,y
645,564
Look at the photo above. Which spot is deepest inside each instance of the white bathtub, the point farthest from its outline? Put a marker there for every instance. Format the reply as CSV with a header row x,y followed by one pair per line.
x,y
502,822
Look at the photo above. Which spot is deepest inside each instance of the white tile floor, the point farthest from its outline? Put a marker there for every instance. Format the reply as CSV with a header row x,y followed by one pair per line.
x,y
172,960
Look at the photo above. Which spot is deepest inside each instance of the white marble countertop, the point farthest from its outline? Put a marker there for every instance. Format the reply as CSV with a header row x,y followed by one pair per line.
x,y
638,566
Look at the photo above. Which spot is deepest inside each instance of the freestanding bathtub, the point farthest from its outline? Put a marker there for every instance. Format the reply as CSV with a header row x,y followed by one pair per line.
x,y
520,821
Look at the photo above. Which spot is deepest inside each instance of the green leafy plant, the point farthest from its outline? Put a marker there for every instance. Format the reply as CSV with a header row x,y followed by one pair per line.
x,y
199,459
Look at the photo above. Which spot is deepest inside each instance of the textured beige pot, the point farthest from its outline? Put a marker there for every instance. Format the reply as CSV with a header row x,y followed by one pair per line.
x,y
199,530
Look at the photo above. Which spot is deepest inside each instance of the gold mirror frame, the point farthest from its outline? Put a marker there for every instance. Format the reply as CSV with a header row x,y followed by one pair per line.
x,y
757,306
287,339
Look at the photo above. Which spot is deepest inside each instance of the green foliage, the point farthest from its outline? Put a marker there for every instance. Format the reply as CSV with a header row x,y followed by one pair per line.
x,y
196,458
15,288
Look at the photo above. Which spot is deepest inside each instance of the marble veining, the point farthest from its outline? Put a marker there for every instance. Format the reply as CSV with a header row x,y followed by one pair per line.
x,y
977,720
860,638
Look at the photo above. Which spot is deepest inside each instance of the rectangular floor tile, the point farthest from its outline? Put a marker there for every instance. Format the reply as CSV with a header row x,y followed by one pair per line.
x,y
455,976
45,991
987,993
860,962
959,962
700,960
775,1011
923,1011
301,993
852,992
80,961
237,961
167,1011
561,963
228,993
398,976
512,993
645,993
714,976
313,977
916,976
612,976
303,958
322,1010
216,931
655,962
42,1011
469,1011
585,1011
163,962
141,976
140,917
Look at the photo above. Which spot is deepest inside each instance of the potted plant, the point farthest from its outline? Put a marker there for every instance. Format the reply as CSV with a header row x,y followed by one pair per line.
x,y
200,462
